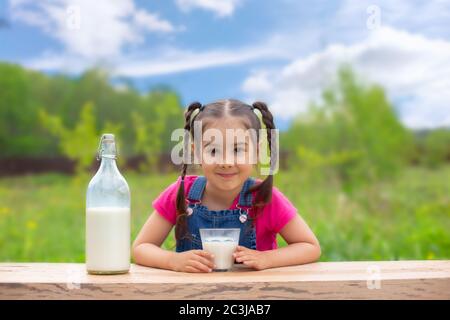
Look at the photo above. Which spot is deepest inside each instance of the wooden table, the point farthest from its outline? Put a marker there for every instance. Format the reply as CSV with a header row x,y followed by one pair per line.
x,y
323,280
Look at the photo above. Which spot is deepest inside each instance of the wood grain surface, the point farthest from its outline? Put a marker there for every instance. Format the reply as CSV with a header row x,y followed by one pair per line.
x,y
323,280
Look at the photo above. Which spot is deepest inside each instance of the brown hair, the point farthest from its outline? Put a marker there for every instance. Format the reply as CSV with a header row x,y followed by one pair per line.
x,y
217,110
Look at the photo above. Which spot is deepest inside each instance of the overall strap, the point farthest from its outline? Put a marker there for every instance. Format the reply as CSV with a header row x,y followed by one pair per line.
x,y
245,200
196,191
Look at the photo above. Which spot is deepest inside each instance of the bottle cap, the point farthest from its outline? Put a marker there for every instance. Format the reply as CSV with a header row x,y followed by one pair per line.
x,y
107,139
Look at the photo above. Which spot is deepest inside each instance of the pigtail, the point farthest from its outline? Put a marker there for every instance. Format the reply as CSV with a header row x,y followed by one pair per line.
x,y
264,194
181,223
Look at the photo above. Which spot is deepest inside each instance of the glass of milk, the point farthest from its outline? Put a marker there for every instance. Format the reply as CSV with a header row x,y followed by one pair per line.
x,y
221,243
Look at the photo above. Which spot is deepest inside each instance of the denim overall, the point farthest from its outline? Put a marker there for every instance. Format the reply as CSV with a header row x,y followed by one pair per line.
x,y
200,217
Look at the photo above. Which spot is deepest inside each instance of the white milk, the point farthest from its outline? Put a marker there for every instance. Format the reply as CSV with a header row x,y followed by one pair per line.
x,y
107,239
222,248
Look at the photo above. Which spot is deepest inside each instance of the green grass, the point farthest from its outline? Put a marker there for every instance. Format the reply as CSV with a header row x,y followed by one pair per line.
x,y
42,216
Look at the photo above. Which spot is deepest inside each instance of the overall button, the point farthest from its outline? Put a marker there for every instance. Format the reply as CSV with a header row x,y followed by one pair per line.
x,y
243,217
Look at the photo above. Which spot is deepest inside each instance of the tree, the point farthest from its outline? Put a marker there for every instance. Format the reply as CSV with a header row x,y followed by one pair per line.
x,y
436,147
354,133
24,94
153,123
81,142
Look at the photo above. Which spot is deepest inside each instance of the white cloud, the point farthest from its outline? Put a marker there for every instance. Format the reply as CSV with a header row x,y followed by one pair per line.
x,y
152,22
90,29
222,8
408,65
105,30
166,60
172,61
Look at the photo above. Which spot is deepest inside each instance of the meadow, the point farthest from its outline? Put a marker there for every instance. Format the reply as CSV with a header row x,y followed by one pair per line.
x,y
42,216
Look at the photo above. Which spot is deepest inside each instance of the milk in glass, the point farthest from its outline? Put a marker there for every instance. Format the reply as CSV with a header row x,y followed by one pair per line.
x,y
222,248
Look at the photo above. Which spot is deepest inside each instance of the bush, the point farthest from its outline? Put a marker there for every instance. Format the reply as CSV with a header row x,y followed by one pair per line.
x,y
354,134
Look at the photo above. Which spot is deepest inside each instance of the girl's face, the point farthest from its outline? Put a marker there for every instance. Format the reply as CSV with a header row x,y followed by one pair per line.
x,y
228,163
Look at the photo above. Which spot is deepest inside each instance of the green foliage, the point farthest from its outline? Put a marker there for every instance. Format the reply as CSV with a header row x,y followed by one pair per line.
x,y
152,136
26,95
434,147
20,133
354,134
79,143
147,140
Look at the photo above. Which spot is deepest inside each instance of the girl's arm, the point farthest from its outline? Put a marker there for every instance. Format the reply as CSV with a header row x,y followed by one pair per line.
x,y
303,247
146,249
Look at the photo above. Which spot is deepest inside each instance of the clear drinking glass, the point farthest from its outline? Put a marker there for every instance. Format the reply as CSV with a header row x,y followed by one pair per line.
x,y
221,243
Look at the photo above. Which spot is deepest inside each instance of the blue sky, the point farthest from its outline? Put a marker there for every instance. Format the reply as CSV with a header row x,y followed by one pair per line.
x,y
283,52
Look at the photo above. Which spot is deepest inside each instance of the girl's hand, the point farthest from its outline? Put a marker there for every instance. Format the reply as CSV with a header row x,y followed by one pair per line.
x,y
252,258
193,261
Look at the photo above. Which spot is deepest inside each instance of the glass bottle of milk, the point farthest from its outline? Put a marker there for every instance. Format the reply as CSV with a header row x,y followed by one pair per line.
x,y
107,215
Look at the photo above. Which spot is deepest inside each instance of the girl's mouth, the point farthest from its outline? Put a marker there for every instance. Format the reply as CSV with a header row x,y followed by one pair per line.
x,y
226,176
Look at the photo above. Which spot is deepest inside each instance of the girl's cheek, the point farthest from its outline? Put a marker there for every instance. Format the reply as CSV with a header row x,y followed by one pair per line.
x,y
211,159
246,170
247,159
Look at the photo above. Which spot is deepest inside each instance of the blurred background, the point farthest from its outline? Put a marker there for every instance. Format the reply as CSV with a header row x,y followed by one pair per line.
x,y
358,89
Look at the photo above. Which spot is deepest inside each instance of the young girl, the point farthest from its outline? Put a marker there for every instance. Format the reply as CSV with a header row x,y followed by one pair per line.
x,y
225,196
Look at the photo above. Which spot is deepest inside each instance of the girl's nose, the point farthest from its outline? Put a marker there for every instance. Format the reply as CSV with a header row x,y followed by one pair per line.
x,y
226,165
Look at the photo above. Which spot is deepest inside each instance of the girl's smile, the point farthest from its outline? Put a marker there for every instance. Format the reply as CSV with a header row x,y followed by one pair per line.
x,y
227,175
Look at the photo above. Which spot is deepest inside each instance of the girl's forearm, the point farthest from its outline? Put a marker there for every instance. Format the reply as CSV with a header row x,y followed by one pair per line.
x,y
150,255
293,254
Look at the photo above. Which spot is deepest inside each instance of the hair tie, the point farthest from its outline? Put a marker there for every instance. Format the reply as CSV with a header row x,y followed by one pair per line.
x,y
258,114
194,114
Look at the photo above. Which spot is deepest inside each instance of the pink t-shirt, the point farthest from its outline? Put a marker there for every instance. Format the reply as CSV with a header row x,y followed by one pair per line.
x,y
273,218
